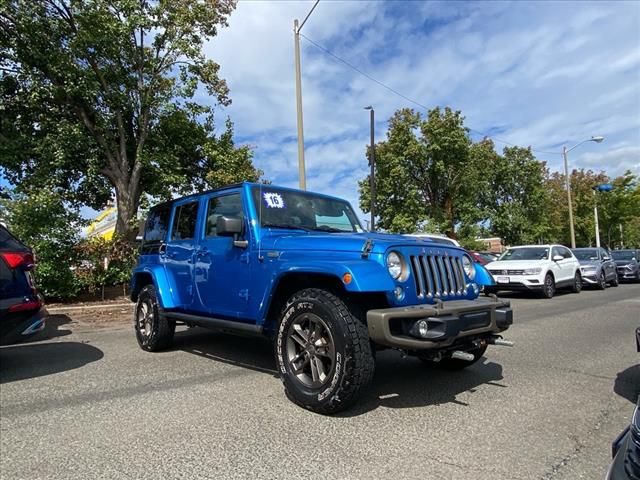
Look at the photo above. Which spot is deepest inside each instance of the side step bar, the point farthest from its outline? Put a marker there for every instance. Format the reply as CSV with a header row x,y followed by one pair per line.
x,y
216,323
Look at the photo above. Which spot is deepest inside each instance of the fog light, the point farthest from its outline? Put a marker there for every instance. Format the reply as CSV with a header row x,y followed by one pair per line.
x,y
399,293
423,328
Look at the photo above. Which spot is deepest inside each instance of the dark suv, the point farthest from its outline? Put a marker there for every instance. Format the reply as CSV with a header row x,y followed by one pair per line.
x,y
299,268
628,263
21,308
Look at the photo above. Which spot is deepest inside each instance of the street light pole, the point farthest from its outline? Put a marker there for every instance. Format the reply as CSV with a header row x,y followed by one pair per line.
x,y
595,214
566,150
604,187
302,178
372,163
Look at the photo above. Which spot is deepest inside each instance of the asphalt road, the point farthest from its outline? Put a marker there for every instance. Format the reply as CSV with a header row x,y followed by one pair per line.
x,y
90,404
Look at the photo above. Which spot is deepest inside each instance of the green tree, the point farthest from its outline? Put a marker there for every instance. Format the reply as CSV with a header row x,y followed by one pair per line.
x,y
582,200
422,172
619,212
50,228
98,95
515,199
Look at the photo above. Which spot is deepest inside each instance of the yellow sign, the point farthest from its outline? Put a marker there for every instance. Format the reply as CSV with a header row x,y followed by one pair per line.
x,y
104,225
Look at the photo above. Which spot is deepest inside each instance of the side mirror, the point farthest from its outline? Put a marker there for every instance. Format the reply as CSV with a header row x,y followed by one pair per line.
x,y
606,258
227,226
557,258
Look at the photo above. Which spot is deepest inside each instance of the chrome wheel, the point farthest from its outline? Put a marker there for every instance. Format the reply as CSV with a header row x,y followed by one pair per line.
x,y
549,286
310,350
602,281
144,318
577,283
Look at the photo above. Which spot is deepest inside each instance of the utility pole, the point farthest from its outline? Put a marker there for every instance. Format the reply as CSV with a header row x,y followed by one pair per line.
x,y
296,40
372,163
566,150
301,167
568,183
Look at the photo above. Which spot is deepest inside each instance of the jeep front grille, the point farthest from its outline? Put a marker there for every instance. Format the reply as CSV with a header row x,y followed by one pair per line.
x,y
437,275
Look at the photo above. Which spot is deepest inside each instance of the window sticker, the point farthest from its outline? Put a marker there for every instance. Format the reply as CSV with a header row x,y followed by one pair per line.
x,y
273,200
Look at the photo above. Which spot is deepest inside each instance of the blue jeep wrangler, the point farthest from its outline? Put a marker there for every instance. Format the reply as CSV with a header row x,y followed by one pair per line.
x,y
298,267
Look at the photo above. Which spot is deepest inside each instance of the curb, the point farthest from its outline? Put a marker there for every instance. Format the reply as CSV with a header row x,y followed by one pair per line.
x,y
89,307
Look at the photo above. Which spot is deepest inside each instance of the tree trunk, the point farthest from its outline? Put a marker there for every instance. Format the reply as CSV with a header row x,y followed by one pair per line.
x,y
448,211
127,203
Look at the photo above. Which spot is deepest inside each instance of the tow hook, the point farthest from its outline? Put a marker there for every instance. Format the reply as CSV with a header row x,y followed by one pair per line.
x,y
460,355
499,341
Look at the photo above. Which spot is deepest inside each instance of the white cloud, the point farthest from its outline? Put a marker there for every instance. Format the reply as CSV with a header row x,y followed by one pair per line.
x,y
546,73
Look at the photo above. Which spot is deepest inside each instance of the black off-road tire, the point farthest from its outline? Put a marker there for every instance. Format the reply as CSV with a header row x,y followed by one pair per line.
x,y
346,361
457,364
577,283
549,287
602,281
153,331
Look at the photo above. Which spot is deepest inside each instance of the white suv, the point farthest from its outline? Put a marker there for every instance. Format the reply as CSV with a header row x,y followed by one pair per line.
x,y
541,268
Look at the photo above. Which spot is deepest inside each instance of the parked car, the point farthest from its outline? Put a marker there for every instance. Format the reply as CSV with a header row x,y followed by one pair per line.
x,y
22,313
299,268
628,263
481,258
491,255
437,238
626,451
540,268
597,267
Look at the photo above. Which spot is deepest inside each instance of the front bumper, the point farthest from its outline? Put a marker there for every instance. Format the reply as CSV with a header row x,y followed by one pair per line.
x,y
626,274
590,278
516,283
447,322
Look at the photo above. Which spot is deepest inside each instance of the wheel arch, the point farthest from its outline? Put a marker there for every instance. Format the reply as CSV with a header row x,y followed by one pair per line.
x,y
292,282
157,277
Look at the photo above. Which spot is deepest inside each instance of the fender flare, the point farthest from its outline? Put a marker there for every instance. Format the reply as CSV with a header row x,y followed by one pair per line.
x,y
160,280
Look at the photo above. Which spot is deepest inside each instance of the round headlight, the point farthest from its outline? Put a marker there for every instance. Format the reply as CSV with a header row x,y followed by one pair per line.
x,y
467,266
394,265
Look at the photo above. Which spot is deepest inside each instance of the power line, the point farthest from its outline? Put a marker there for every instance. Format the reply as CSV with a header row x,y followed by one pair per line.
x,y
364,74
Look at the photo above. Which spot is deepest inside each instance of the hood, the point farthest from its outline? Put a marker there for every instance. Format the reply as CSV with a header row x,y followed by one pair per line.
x,y
623,263
514,264
589,263
273,239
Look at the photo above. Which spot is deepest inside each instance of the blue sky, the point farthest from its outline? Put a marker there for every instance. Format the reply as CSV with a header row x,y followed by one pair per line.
x,y
531,73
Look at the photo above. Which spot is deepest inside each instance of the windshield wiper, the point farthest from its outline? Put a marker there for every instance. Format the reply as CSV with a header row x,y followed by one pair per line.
x,y
286,225
327,228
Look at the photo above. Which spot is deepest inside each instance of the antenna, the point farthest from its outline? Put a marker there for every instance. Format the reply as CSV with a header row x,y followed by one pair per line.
x,y
260,257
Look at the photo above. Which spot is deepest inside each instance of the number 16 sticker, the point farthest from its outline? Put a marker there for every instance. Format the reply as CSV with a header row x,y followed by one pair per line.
x,y
273,200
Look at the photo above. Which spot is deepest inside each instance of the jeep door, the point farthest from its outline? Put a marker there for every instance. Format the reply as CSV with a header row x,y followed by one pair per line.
x,y
178,253
221,269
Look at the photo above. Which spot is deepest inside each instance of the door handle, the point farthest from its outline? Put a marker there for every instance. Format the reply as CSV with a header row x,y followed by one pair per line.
x,y
162,249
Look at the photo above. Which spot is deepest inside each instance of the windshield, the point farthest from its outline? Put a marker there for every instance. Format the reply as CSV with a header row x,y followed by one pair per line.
x,y
589,254
525,253
279,208
623,254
